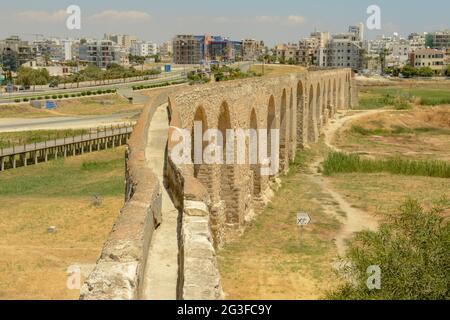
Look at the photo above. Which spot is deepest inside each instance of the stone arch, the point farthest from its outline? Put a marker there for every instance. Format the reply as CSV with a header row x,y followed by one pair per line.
x,y
271,124
329,101
318,109
311,113
227,190
334,97
201,170
291,132
300,115
284,129
255,167
323,107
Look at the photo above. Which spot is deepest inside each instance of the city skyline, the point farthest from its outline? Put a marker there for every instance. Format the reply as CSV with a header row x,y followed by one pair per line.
x,y
284,21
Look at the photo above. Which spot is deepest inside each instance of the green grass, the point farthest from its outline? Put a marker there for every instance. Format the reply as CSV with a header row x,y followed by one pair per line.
x,y
412,251
68,177
381,97
339,162
379,101
396,130
8,139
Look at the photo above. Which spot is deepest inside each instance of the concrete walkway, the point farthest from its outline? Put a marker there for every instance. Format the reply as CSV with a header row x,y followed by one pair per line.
x,y
161,272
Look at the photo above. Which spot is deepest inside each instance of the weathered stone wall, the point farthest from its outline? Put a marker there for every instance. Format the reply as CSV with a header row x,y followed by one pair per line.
x,y
230,195
119,270
215,201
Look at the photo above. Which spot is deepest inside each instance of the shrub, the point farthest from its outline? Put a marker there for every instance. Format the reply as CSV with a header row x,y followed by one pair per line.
x,y
47,97
32,98
54,96
25,100
73,95
60,96
83,93
66,95
99,91
88,93
16,100
412,250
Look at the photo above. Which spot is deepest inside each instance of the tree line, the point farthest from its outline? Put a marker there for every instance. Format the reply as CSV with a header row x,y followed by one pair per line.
x,y
28,77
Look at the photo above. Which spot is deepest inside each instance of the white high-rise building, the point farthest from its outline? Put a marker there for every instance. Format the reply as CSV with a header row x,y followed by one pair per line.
x,y
67,49
143,48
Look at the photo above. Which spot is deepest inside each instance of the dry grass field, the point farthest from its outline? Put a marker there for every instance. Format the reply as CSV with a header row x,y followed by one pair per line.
x,y
34,263
273,261
100,105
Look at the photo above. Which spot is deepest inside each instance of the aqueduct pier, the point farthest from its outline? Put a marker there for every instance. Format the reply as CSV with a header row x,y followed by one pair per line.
x,y
164,240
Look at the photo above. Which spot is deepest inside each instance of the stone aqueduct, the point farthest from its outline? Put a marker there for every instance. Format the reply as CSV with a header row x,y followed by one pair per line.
x,y
215,201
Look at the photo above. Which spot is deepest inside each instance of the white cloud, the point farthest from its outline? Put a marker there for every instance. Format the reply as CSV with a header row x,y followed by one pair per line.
x,y
268,19
222,20
290,20
42,16
295,20
125,16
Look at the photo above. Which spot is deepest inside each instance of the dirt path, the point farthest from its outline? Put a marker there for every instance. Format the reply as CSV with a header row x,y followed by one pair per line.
x,y
354,219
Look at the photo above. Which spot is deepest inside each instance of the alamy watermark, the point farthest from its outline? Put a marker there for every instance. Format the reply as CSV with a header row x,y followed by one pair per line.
x,y
374,20
235,147
73,21
374,280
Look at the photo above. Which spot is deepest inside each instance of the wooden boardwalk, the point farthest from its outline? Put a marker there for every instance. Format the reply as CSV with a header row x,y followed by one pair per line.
x,y
28,154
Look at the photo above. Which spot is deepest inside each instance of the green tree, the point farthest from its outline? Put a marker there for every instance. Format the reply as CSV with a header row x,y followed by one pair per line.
x,y
92,73
447,71
425,72
24,76
409,71
39,77
412,249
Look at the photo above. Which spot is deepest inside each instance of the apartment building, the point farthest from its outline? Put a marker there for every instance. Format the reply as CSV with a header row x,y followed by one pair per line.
x,y
123,40
187,49
252,49
166,49
14,52
143,48
432,58
438,40
344,52
103,52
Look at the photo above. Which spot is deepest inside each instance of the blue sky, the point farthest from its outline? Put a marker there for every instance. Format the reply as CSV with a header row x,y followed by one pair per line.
x,y
272,21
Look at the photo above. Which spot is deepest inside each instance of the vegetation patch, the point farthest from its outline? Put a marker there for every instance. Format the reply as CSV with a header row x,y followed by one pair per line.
x,y
412,250
340,162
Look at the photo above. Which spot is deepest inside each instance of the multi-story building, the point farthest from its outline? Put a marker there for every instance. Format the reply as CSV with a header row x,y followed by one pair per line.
x,y
343,52
15,52
143,48
287,52
432,58
252,49
187,49
166,49
123,40
98,52
307,47
191,49
438,40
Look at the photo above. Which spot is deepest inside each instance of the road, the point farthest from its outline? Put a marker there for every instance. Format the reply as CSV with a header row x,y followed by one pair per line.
x,y
59,123
7,98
